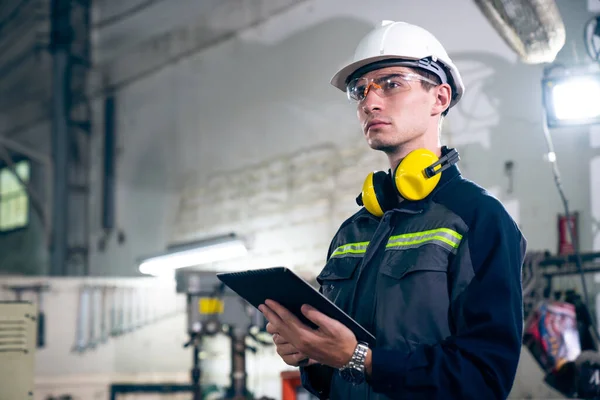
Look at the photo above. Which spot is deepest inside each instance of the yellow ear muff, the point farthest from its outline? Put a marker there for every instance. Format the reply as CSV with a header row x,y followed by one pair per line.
x,y
410,178
369,196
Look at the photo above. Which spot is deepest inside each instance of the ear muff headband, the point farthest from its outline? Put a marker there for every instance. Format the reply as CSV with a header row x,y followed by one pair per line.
x,y
445,162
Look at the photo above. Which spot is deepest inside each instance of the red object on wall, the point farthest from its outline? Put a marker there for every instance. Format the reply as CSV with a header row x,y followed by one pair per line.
x,y
290,382
565,244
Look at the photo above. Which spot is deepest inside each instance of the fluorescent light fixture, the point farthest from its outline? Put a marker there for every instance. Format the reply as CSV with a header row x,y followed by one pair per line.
x,y
194,254
572,98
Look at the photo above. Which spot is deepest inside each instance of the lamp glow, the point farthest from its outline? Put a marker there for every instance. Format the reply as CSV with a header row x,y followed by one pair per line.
x,y
577,99
570,95
165,264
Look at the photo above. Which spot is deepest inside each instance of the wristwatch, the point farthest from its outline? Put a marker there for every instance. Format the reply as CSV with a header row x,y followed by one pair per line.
x,y
354,370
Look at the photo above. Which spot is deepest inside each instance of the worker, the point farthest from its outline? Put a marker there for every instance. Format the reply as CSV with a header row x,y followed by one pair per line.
x,y
430,265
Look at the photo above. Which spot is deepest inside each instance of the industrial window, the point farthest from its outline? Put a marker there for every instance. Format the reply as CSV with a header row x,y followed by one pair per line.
x,y
14,200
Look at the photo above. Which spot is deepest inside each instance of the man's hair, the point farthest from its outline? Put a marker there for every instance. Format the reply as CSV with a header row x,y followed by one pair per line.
x,y
428,86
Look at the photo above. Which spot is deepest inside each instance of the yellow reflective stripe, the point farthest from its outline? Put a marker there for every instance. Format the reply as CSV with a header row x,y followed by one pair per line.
x,y
445,237
415,239
350,249
447,231
421,241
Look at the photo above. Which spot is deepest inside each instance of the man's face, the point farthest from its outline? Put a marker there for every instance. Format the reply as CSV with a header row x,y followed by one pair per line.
x,y
393,120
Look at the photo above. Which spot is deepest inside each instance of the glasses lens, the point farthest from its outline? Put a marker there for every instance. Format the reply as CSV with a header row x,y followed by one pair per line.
x,y
356,89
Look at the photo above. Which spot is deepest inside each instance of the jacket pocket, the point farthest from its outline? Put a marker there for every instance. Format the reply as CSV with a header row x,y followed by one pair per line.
x,y
337,279
412,295
400,264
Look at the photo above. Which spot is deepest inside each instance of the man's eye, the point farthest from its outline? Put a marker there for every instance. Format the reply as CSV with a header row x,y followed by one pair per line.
x,y
393,84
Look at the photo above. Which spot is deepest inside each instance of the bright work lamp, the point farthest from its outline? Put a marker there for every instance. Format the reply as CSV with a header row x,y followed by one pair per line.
x,y
194,254
572,97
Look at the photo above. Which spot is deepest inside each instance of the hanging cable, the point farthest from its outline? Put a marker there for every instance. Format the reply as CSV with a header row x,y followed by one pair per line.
x,y
551,155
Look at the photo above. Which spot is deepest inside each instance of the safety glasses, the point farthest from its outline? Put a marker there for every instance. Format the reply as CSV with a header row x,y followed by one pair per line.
x,y
385,86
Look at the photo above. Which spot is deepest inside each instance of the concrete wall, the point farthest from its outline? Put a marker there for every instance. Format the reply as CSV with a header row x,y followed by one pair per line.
x,y
261,101
263,95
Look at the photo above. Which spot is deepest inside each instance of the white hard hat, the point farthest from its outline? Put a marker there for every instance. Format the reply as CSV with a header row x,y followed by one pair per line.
x,y
402,41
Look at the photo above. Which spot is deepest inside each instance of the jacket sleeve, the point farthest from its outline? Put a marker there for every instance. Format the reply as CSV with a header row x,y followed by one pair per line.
x,y
479,360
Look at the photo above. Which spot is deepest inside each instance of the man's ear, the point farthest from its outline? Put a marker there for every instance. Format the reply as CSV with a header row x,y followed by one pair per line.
x,y
443,98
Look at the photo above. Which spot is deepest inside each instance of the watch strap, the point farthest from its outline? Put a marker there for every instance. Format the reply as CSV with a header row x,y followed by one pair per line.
x,y
357,362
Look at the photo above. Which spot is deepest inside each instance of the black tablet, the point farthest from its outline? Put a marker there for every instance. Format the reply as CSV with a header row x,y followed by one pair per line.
x,y
291,291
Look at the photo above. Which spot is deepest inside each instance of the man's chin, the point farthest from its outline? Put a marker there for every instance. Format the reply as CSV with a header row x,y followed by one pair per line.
x,y
385,147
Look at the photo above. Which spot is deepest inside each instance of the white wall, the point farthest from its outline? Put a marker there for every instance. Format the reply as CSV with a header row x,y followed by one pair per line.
x,y
261,98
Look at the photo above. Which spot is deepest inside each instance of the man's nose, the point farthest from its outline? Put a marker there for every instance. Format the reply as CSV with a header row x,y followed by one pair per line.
x,y
372,101
369,86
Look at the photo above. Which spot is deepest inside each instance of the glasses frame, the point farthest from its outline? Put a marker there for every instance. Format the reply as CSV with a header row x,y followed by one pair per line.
x,y
407,76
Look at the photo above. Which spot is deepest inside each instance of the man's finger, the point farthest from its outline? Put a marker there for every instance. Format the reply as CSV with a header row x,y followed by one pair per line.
x,y
304,362
320,319
278,339
277,324
270,315
307,362
271,328
297,360
283,313
290,360
286,349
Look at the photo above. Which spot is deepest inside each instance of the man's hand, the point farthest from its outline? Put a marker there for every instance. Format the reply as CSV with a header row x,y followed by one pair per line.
x,y
289,354
331,344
